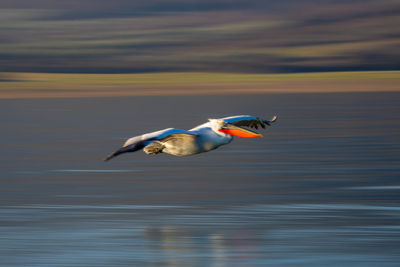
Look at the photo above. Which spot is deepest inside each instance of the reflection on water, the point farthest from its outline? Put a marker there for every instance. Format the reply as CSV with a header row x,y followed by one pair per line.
x,y
184,235
322,187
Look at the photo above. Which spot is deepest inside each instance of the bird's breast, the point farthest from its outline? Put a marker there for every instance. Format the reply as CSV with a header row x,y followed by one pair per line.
x,y
212,141
201,141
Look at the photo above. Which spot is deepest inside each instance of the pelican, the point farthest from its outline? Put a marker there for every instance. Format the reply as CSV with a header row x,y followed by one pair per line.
x,y
202,138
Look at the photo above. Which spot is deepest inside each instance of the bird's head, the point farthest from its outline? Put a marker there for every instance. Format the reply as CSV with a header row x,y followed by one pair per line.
x,y
221,127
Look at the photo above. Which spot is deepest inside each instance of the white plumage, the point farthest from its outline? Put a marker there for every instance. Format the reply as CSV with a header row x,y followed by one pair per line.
x,y
202,138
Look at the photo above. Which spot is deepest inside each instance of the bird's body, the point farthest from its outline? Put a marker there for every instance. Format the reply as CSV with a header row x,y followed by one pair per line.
x,y
202,138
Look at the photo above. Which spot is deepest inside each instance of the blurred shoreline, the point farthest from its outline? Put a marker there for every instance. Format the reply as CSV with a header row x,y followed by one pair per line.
x,y
50,85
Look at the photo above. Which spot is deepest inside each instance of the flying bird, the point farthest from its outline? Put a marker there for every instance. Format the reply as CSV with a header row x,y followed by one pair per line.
x,y
202,138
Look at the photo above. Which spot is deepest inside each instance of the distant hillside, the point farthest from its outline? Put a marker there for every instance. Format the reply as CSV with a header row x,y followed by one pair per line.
x,y
247,36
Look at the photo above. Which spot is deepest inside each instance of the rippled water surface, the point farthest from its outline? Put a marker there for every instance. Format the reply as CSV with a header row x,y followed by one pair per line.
x,y
322,188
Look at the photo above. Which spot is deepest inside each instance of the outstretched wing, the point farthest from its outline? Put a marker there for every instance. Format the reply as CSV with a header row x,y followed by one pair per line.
x,y
139,142
249,121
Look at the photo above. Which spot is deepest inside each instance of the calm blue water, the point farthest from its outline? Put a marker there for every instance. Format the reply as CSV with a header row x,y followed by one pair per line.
x,y
321,188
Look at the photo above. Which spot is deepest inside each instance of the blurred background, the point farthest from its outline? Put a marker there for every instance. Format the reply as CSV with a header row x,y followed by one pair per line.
x,y
79,77
248,36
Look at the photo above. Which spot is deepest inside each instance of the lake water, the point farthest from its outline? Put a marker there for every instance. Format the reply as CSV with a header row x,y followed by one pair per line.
x,y
322,188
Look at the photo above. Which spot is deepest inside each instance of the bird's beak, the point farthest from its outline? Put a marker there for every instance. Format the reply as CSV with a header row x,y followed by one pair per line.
x,y
238,131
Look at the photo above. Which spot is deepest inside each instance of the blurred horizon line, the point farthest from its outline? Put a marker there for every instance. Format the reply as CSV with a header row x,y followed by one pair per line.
x,y
56,85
